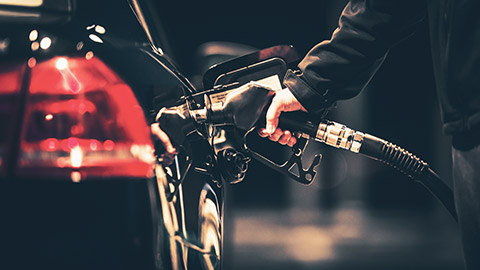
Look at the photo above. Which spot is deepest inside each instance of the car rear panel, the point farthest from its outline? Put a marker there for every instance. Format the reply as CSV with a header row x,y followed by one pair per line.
x,y
78,89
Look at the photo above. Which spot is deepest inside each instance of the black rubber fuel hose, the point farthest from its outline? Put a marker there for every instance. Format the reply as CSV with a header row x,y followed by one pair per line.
x,y
340,136
410,165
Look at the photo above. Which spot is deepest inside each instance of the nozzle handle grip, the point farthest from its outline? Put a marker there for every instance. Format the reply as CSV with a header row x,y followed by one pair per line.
x,y
298,122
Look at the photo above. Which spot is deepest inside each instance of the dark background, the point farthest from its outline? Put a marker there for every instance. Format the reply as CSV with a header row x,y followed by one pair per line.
x,y
359,214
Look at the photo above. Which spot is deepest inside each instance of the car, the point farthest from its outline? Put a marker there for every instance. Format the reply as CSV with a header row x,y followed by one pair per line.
x,y
80,184
84,184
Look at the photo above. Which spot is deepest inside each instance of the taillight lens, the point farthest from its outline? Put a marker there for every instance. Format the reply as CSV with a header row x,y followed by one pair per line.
x,y
82,121
11,76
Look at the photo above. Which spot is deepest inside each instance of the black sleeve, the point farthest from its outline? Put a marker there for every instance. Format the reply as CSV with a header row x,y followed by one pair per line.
x,y
341,67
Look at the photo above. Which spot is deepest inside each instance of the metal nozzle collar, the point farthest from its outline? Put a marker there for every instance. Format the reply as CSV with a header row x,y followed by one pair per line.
x,y
339,136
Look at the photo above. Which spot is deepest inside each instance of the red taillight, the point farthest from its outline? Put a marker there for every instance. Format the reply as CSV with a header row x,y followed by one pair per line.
x,y
10,85
82,121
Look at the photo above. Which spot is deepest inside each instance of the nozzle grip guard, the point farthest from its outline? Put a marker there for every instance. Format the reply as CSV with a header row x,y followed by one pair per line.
x,y
300,175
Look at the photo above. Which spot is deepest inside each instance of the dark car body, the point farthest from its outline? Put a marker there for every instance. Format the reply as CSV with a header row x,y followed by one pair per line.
x,y
80,187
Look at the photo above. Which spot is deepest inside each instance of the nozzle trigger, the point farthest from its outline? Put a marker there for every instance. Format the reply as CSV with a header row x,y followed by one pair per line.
x,y
293,167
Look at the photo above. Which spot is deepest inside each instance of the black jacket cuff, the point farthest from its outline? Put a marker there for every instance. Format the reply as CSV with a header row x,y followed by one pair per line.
x,y
313,101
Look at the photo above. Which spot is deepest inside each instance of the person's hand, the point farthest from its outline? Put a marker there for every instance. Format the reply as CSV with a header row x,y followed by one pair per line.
x,y
170,151
283,101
